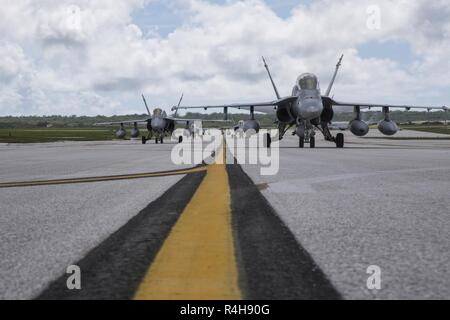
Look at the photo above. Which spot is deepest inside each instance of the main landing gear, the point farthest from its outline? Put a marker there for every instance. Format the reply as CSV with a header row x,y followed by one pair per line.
x,y
339,140
306,133
148,138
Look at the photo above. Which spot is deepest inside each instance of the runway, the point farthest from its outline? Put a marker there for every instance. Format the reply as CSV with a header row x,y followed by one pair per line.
x,y
309,232
377,202
46,228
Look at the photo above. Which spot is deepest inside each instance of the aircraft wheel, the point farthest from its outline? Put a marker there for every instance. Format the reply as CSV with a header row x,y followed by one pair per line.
x,y
340,140
312,142
301,142
180,139
144,140
162,140
156,140
268,141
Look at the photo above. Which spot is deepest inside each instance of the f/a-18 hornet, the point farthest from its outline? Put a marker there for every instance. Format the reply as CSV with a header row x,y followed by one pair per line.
x,y
308,110
159,125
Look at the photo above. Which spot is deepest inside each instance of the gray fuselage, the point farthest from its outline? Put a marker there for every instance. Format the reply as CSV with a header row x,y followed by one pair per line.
x,y
308,105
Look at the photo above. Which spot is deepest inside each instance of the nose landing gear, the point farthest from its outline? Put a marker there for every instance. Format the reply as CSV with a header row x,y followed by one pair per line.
x,y
303,140
306,134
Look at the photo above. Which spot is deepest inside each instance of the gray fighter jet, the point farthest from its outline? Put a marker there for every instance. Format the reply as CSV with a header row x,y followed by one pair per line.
x,y
159,125
308,110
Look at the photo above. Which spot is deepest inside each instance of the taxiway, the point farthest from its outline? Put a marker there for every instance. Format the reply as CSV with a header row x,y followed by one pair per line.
x,y
308,232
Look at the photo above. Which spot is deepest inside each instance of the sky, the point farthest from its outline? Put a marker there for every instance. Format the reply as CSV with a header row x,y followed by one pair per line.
x,y
90,57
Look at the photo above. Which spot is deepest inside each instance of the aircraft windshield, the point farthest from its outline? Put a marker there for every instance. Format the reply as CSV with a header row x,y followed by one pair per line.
x,y
308,82
157,112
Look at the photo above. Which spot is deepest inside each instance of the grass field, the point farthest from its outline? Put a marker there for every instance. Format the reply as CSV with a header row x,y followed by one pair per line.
x,y
432,129
104,134
53,135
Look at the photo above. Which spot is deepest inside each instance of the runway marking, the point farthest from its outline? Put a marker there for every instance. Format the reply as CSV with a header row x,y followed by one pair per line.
x,y
197,260
22,184
113,269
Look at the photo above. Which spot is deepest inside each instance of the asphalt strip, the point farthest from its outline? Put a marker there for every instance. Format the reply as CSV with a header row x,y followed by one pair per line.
x,y
272,264
114,269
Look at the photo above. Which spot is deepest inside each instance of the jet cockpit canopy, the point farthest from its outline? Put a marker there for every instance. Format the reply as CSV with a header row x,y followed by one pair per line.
x,y
308,81
159,113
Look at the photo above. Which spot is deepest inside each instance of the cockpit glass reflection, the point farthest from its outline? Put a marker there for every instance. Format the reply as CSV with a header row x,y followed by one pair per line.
x,y
308,82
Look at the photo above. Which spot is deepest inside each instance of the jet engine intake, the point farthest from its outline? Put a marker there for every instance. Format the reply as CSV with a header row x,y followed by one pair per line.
x,y
283,115
328,112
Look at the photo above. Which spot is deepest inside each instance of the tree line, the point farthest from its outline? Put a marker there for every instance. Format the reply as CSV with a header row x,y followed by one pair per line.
x,y
57,121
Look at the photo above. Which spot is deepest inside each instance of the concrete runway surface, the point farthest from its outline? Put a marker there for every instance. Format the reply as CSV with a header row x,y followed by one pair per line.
x,y
44,229
377,202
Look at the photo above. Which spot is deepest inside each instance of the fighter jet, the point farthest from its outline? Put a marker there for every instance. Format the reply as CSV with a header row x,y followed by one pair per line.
x,y
159,125
307,110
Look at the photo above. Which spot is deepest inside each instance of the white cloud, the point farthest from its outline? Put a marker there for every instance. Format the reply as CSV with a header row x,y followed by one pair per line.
x,y
88,57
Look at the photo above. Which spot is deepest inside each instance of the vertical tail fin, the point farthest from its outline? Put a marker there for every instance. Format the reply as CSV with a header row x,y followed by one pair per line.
x,y
146,106
271,79
178,105
338,65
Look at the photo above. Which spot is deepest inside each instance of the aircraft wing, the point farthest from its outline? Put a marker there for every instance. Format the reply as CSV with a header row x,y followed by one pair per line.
x,y
256,105
377,105
122,122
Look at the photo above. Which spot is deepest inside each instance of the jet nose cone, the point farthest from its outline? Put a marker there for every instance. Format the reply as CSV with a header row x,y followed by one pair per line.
x,y
158,124
310,109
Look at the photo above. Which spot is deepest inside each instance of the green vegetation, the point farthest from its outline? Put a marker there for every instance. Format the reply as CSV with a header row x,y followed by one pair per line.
x,y
266,120
61,121
427,128
52,135
35,129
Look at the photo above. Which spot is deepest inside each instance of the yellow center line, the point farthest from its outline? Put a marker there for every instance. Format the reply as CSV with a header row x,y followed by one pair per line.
x,y
197,260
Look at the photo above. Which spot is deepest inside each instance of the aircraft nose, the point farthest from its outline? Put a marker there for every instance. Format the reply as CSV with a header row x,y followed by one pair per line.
x,y
157,124
310,109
